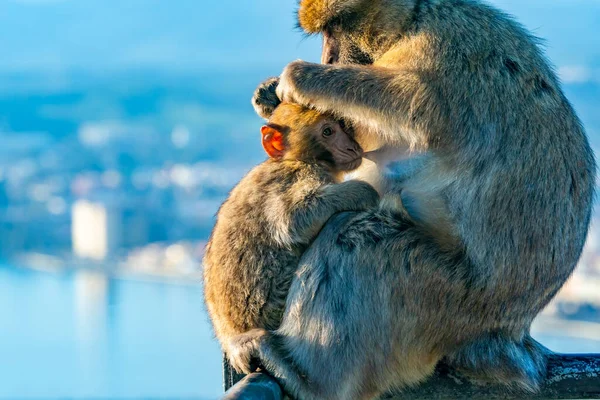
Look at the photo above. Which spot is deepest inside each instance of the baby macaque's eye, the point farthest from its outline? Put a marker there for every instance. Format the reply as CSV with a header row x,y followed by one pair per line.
x,y
327,132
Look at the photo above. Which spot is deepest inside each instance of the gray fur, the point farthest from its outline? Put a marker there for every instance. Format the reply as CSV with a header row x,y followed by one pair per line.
x,y
508,179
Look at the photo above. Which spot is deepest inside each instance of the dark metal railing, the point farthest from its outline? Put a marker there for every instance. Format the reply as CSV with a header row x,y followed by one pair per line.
x,y
570,376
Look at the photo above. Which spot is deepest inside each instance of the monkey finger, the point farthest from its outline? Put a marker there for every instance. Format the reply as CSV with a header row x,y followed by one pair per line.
x,y
265,98
240,359
243,349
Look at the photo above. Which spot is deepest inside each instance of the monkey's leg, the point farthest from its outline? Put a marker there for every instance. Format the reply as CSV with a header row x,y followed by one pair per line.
x,y
268,348
397,103
346,333
310,217
501,359
304,354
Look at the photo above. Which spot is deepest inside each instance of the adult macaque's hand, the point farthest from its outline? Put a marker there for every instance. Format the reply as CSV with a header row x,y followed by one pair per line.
x,y
265,98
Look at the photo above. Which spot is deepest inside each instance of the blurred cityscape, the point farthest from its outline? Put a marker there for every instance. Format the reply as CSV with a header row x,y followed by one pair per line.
x,y
131,174
96,173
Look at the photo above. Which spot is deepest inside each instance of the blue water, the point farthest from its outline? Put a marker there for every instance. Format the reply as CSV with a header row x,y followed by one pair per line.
x,y
81,335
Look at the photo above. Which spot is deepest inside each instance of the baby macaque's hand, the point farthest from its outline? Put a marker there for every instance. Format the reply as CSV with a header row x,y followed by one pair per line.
x,y
244,350
364,195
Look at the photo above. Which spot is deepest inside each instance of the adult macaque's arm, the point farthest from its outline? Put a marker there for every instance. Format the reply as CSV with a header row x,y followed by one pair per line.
x,y
391,101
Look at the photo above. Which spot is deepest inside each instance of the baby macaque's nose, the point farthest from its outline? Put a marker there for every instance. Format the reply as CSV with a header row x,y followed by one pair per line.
x,y
356,149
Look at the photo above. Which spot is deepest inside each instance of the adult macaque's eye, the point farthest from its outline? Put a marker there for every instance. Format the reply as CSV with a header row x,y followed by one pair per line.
x,y
327,132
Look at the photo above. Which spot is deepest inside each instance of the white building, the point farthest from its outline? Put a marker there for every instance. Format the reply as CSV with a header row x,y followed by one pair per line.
x,y
95,230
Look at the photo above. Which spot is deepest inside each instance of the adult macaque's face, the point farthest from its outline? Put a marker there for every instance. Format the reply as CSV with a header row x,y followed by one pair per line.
x,y
331,49
339,46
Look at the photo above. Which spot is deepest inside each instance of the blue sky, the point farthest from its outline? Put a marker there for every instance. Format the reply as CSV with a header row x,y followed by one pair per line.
x,y
57,35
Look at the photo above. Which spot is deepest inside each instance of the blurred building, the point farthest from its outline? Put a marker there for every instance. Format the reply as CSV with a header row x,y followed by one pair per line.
x,y
96,230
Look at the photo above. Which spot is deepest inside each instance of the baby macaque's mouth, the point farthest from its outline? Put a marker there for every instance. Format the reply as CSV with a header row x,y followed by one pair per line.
x,y
352,165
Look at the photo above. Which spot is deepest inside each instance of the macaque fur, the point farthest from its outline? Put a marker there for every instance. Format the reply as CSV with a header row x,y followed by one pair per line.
x,y
272,215
379,298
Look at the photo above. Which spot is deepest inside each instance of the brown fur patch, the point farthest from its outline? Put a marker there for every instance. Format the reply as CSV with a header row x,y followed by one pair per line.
x,y
313,15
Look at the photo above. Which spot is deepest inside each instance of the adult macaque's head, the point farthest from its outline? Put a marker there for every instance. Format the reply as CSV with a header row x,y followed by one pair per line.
x,y
299,133
354,31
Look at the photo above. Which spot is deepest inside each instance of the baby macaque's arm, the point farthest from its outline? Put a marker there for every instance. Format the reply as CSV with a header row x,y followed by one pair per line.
x,y
308,219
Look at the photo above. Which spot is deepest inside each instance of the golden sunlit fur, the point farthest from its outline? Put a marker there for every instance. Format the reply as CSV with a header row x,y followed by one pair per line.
x,y
313,15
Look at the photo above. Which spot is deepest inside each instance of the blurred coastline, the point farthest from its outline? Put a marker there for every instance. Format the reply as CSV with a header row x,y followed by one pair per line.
x,y
124,174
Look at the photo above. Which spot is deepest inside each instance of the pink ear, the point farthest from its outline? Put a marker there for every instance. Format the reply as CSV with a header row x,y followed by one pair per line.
x,y
272,141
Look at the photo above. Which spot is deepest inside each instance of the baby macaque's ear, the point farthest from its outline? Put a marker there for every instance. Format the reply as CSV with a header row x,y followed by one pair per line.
x,y
272,141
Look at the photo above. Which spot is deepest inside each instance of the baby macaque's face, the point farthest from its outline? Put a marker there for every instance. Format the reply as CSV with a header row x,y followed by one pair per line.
x,y
296,132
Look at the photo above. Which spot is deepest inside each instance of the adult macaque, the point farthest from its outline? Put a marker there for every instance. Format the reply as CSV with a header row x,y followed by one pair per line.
x,y
273,214
498,161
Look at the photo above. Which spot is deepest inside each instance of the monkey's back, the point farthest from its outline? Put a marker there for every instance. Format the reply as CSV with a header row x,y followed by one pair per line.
x,y
252,253
518,172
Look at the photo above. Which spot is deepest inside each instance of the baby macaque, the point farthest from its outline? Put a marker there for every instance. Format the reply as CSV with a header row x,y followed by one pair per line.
x,y
272,216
